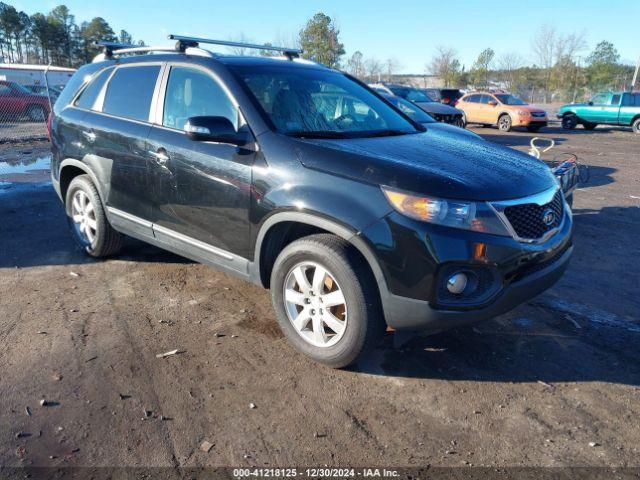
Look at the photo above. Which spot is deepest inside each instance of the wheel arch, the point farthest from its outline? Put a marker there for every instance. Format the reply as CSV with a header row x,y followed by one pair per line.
x,y
71,168
282,228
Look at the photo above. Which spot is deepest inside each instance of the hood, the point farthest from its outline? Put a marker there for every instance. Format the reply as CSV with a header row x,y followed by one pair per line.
x,y
445,129
573,105
439,108
435,162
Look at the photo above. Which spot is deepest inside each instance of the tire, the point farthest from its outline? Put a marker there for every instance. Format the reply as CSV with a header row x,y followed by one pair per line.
x,y
635,126
36,113
460,122
100,241
346,272
534,128
569,121
589,125
504,123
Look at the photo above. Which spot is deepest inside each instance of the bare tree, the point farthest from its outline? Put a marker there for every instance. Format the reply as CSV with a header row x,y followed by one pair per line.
x,y
445,65
241,51
544,49
391,66
373,69
509,64
355,65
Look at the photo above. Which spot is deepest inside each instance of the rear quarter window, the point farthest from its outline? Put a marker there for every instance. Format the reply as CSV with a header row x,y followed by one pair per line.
x,y
130,91
74,84
89,95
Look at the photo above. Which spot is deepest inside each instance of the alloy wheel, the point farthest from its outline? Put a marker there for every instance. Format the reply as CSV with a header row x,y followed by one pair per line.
x,y
84,217
315,304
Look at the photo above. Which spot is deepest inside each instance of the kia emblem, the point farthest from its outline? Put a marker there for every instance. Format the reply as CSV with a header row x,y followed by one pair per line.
x,y
548,217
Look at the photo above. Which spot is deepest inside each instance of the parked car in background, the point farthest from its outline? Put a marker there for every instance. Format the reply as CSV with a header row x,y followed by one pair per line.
x,y
502,109
42,90
442,113
17,101
298,178
416,114
611,108
448,96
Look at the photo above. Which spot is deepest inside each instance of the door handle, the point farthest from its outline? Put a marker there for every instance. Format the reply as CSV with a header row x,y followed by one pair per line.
x,y
161,158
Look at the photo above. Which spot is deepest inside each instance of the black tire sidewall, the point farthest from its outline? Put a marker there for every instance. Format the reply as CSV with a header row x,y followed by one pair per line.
x,y
83,182
635,127
569,122
350,345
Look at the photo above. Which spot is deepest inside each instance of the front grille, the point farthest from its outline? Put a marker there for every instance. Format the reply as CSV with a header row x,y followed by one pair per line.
x,y
453,119
528,220
538,114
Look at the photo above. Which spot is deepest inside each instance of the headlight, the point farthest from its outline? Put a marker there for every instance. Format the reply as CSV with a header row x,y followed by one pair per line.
x,y
523,113
476,216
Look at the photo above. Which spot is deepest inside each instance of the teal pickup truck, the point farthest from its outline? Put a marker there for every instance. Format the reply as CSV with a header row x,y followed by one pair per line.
x,y
613,108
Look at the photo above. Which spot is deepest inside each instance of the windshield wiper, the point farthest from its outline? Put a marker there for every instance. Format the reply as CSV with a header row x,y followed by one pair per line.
x,y
317,134
387,133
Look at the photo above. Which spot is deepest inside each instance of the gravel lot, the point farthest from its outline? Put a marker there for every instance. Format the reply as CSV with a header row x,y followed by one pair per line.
x,y
554,383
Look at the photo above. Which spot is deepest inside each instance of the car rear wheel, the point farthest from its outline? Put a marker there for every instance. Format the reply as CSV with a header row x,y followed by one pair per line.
x,y
569,121
504,123
326,301
36,113
636,126
87,219
589,125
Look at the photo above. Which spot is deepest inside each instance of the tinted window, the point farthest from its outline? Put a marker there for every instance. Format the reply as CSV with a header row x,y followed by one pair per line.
x,y
473,99
615,100
89,95
130,91
637,99
193,93
485,99
411,110
418,96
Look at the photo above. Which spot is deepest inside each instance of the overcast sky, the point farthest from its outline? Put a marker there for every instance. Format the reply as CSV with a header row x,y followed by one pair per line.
x,y
405,29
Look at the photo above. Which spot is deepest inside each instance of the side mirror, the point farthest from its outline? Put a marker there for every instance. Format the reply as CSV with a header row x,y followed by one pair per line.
x,y
213,129
493,103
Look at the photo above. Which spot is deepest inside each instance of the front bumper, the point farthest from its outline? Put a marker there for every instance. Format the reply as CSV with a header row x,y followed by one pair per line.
x,y
404,313
414,257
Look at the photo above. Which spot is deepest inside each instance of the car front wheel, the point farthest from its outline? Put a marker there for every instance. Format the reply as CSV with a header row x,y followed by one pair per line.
x,y
569,121
87,219
636,126
504,123
326,301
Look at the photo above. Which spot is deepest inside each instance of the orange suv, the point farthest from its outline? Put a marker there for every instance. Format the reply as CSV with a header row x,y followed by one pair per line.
x,y
501,109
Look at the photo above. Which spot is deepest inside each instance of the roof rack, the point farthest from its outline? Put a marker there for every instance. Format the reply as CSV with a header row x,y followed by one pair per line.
x,y
109,47
184,42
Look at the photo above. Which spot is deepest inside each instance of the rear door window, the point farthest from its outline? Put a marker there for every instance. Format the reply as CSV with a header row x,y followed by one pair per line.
x,y
88,97
130,92
615,100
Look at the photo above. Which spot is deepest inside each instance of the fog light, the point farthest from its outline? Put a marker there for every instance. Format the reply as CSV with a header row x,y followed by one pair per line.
x,y
457,283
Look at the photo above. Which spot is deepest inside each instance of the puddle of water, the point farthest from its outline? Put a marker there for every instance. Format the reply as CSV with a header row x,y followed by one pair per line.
x,y
28,169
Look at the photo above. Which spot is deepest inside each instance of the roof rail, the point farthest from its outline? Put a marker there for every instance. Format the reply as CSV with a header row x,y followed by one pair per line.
x,y
109,47
114,51
184,42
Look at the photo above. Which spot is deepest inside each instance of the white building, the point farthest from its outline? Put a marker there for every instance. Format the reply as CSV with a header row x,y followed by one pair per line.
x,y
25,74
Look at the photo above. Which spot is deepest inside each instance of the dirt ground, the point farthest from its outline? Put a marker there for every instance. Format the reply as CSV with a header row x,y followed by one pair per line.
x,y
554,383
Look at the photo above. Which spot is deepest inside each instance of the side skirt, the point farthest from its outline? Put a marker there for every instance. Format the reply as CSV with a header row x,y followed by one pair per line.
x,y
180,244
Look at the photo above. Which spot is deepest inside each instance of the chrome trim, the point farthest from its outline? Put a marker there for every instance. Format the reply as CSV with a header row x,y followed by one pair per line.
x,y
193,242
539,199
131,218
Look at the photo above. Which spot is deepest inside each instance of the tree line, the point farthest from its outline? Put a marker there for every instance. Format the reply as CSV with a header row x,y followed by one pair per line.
x,y
54,37
561,67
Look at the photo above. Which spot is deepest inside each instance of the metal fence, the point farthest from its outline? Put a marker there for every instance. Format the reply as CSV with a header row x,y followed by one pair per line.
x,y
24,110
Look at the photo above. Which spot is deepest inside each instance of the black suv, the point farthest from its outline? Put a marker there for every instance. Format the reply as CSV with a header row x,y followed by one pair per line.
x,y
303,180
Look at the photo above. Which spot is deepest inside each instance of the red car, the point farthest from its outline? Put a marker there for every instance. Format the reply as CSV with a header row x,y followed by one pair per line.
x,y
17,102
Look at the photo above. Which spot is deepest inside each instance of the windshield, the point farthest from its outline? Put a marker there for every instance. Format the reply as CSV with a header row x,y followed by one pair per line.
x,y
307,102
410,110
508,99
